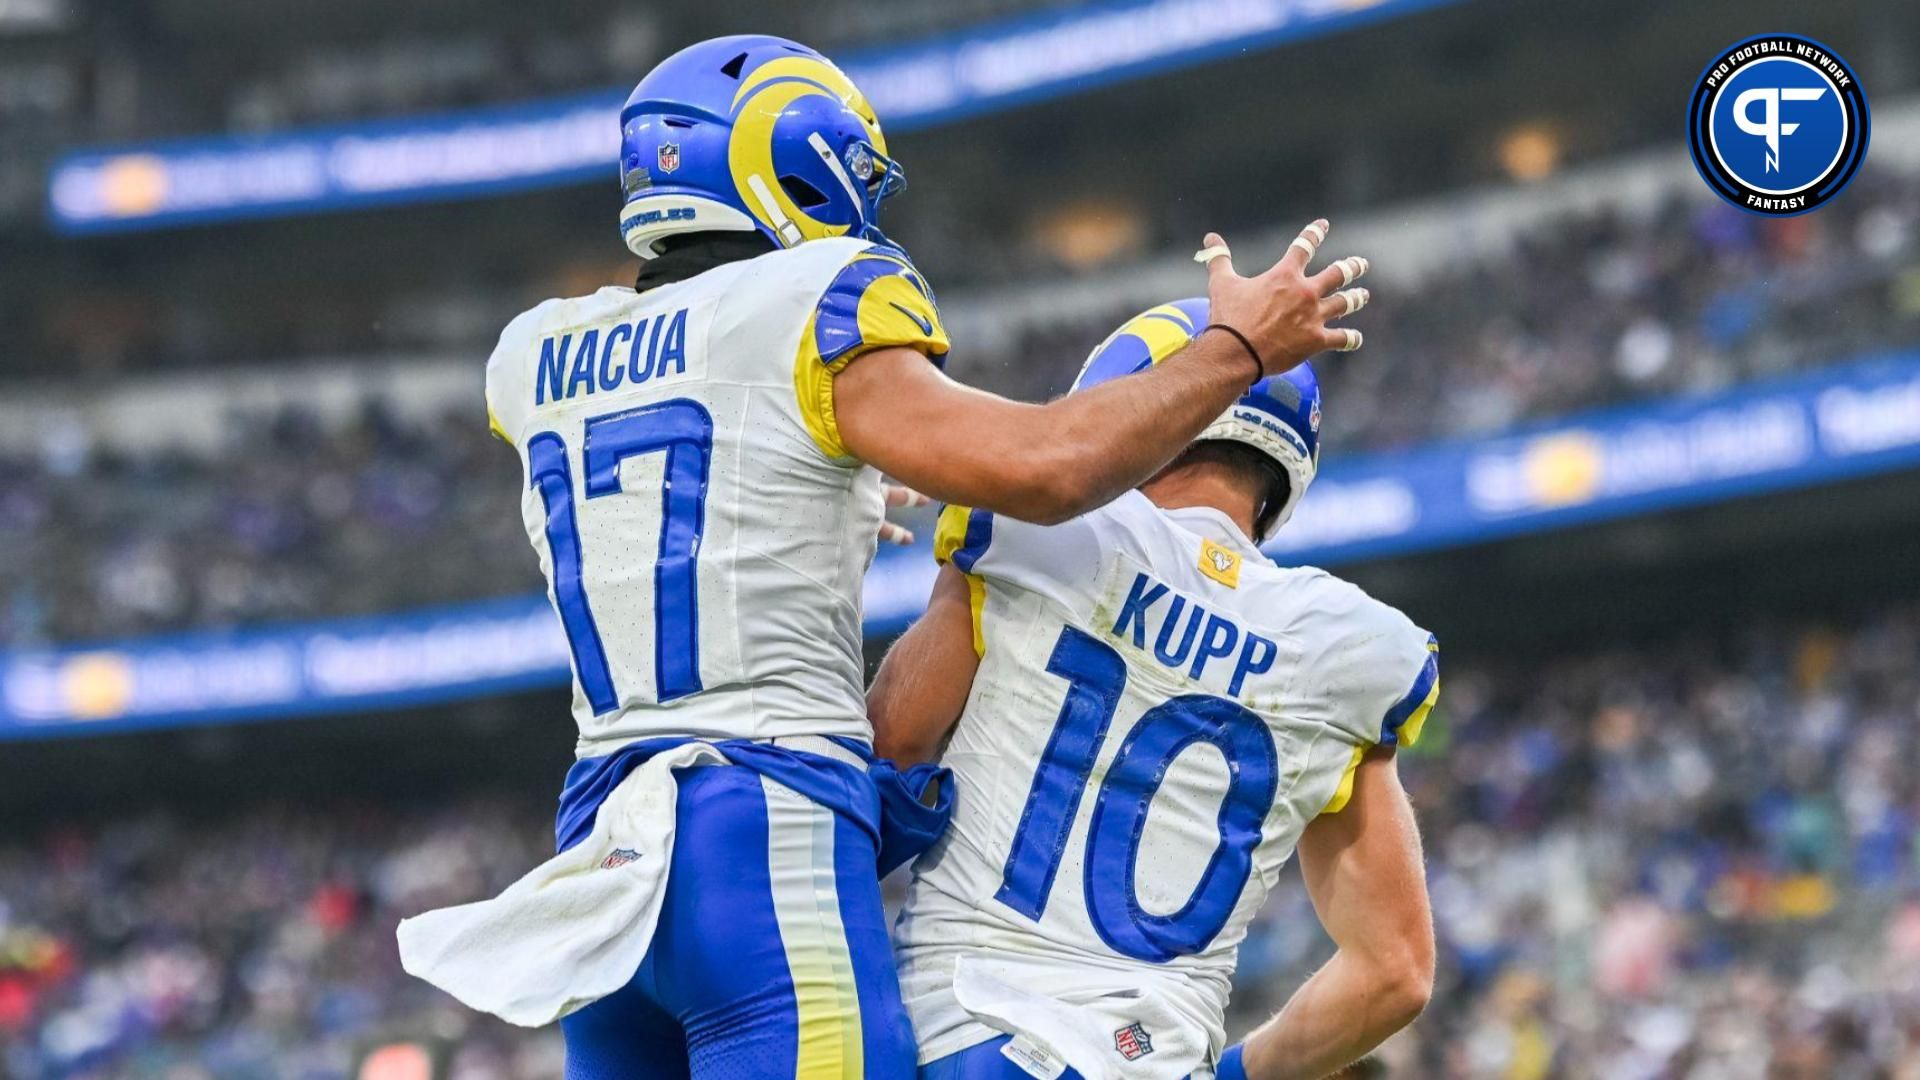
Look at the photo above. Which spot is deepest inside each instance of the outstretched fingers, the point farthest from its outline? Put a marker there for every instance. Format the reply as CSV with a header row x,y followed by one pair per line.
x,y
1217,258
1283,313
1340,339
1343,303
1339,274
1303,248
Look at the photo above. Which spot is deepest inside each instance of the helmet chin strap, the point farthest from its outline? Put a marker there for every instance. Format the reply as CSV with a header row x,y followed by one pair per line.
x,y
782,224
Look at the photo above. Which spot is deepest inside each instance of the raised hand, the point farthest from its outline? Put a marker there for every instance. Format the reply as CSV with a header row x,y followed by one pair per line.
x,y
1283,313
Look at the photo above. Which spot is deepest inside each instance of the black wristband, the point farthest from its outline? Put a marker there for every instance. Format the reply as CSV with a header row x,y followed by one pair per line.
x,y
1259,368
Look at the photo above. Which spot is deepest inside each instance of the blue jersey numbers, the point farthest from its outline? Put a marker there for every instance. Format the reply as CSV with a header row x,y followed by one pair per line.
x,y
1096,676
683,431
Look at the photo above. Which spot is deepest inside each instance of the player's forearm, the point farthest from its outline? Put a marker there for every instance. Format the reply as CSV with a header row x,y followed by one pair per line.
x,y
1363,870
1038,463
909,704
923,683
1088,448
1338,1016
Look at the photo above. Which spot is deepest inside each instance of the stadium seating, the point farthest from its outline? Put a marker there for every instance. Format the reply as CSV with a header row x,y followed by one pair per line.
x,y
309,518
1639,856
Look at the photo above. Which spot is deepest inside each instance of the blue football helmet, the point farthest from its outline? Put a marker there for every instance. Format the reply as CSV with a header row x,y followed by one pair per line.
x,y
1278,416
751,132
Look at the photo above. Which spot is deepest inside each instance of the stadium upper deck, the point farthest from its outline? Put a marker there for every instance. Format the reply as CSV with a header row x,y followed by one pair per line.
x,y
372,487
1454,96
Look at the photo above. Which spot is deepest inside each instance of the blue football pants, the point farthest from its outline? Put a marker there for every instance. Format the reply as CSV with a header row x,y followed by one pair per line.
x,y
771,959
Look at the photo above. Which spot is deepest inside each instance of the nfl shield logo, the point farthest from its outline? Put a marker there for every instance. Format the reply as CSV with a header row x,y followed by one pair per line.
x,y
669,157
620,857
1313,416
1132,1042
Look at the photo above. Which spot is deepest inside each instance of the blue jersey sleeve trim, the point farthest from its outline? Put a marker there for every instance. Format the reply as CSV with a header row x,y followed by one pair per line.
x,y
1416,697
979,537
915,321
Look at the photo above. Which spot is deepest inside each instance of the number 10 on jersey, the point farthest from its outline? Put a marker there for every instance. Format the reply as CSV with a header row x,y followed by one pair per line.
x,y
1096,676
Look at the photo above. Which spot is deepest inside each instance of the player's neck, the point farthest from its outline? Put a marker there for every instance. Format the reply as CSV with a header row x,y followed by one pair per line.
x,y
1204,484
692,254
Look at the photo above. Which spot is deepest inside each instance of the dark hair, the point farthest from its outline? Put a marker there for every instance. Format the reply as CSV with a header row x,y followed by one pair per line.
x,y
1261,474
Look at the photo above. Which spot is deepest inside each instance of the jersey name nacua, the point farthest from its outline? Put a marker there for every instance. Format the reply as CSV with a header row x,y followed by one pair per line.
x,y
703,533
628,356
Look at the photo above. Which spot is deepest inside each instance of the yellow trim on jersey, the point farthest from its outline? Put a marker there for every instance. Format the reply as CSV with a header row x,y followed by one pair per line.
x,y
499,431
1220,564
950,535
977,604
806,906
893,311
1345,791
813,390
1410,731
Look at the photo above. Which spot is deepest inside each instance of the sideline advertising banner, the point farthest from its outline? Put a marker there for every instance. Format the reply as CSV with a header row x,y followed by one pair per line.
x,y
547,143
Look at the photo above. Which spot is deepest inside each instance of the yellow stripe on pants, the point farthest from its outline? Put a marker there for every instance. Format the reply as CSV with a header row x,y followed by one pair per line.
x,y
806,905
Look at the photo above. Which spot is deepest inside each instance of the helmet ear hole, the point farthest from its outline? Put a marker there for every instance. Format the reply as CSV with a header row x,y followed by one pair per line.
x,y
804,195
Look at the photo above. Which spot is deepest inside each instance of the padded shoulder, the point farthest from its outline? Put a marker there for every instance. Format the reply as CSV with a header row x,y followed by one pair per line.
x,y
874,299
1365,667
877,299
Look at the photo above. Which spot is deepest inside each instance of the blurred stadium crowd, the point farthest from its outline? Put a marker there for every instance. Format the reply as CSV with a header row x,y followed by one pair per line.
x,y
1591,309
1694,858
1691,859
292,517
434,60
289,519
1600,305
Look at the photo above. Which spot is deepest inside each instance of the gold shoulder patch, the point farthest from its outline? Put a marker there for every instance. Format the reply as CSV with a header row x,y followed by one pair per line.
x,y
1220,564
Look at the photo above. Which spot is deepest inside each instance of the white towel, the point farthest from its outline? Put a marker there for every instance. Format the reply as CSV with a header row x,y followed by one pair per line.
x,y
576,927
1087,1033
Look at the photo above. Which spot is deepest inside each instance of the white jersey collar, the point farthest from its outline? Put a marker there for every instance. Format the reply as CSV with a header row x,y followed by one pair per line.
x,y
1213,524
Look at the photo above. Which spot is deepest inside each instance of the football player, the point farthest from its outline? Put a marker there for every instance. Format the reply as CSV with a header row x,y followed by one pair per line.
x,y
1146,718
702,458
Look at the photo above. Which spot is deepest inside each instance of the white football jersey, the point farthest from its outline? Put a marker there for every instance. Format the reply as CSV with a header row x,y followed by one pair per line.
x,y
1158,714
703,531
